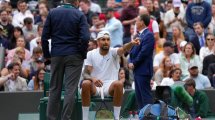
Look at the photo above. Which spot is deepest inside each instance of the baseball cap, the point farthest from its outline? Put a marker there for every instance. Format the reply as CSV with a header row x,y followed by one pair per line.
x,y
102,34
168,44
40,59
176,3
192,65
183,43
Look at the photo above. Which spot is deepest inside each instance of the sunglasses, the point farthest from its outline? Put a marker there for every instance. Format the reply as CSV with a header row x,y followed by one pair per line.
x,y
210,39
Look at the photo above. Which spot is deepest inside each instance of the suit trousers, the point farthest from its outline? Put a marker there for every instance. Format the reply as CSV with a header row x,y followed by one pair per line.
x,y
143,90
65,69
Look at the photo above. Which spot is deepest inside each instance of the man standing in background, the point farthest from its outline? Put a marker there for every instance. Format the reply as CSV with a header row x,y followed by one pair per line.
x,y
68,29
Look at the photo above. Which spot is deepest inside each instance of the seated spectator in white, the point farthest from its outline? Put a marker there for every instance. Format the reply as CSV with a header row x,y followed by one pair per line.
x,y
208,60
168,50
19,43
173,79
163,70
23,12
29,29
208,48
37,82
16,34
13,82
202,82
188,57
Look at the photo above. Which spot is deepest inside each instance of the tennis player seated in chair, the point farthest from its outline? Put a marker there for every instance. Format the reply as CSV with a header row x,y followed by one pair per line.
x,y
101,71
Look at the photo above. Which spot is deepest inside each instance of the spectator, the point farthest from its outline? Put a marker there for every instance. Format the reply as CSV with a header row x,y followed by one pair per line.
x,y
208,48
124,78
197,11
168,50
16,34
200,37
29,30
128,17
95,25
200,99
43,12
37,82
154,13
3,41
211,26
174,17
92,45
85,8
114,26
36,41
189,57
202,82
8,28
19,43
163,70
178,37
37,61
208,60
13,82
173,79
18,18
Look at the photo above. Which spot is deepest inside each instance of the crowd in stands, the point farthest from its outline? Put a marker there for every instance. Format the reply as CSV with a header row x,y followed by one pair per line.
x,y
184,32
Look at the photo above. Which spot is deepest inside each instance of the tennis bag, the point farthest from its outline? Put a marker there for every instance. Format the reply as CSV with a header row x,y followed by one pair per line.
x,y
158,111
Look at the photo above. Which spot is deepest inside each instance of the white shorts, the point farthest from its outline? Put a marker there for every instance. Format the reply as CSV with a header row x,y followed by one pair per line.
x,y
106,87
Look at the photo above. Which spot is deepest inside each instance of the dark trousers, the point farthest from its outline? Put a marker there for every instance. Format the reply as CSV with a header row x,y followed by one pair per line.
x,y
67,69
143,90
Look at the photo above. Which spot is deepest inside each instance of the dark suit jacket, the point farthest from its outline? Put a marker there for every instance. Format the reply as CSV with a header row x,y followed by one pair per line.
x,y
69,32
141,55
195,42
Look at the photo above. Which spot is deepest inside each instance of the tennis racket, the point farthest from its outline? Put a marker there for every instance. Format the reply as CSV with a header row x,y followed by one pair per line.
x,y
103,112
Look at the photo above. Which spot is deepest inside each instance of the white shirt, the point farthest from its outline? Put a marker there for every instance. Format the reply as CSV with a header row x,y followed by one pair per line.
x,y
105,67
169,16
95,8
204,51
159,57
167,82
19,17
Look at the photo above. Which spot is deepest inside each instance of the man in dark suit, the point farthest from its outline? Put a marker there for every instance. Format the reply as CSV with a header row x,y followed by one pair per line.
x,y
141,61
200,38
68,30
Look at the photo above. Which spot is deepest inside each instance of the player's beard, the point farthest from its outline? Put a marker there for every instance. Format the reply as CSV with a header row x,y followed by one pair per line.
x,y
105,47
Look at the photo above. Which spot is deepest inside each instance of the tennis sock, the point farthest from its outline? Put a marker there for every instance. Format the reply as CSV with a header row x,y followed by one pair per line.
x,y
85,112
116,112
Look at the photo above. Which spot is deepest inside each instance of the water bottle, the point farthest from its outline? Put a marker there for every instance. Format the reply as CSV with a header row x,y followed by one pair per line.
x,y
136,117
130,115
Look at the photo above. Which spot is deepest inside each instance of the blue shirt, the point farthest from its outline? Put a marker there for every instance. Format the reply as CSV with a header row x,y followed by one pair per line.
x,y
115,28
